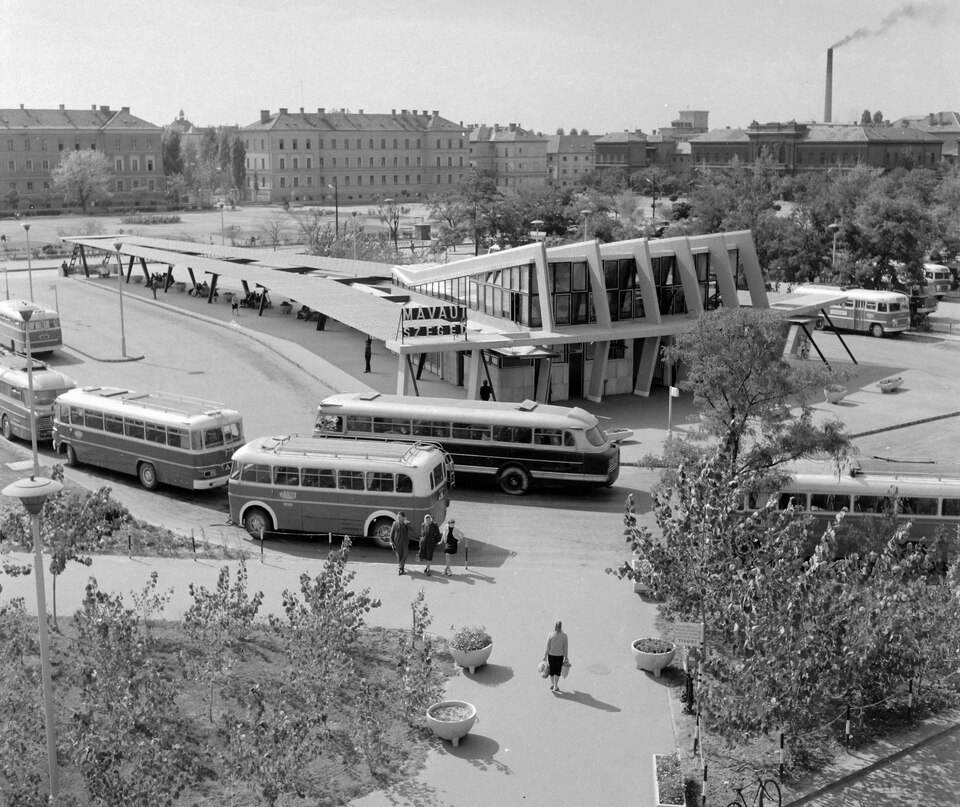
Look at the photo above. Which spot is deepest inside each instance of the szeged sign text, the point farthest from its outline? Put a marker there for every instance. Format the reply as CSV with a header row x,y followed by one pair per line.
x,y
433,320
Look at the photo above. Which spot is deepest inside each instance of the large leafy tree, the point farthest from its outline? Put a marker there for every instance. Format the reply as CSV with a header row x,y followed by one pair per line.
x,y
238,163
734,365
891,231
172,155
479,192
82,177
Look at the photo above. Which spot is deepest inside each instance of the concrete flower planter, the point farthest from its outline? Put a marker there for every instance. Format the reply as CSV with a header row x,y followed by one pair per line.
x,y
890,384
471,659
834,394
652,661
451,720
667,781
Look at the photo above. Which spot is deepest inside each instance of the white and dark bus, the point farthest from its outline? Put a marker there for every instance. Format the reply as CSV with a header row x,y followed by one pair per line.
x,y
938,278
44,325
157,436
318,487
15,396
865,310
515,444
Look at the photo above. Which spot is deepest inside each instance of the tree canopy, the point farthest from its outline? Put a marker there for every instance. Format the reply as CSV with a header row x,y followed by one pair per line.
x,y
82,177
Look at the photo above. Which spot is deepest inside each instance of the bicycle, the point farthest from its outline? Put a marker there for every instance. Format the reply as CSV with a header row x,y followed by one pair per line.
x,y
768,792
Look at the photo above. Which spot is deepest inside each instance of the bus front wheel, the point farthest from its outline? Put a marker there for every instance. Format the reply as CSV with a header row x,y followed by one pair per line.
x,y
7,431
71,456
380,532
819,324
876,330
256,521
514,480
148,475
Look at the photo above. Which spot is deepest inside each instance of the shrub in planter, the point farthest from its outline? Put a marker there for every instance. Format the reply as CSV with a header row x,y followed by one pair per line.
x,y
668,780
471,646
652,654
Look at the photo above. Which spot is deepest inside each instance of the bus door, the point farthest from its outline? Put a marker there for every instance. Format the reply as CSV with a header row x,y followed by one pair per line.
x,y
859,313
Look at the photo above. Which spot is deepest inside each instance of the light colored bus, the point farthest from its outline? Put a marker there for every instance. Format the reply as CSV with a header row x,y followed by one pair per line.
x,y
44,327
938,278
15,396
159,437
299,484
515,444
865,310
927,498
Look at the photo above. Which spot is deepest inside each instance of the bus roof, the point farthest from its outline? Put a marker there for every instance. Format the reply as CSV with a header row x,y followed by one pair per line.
x,y
159,405
320,448
14,307
873,295
493,412
873,485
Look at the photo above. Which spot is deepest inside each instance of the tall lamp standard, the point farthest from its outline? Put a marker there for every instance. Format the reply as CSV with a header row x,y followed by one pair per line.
x,y
123,334
354,234
585,214
653,190
538,223
222,239
32,493
336,207
836,230
29,260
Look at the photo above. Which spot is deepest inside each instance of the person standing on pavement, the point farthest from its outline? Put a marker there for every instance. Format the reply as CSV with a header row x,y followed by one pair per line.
x,y
556,654
429,538
486,391
400,541
451,538
367,353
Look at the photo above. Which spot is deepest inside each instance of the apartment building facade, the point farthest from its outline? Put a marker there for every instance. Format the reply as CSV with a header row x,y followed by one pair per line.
x,y
569,157
34,140
353,157
514,156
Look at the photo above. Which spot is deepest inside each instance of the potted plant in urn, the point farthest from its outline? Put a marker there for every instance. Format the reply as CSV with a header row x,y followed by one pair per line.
x,y
471,646
451,720
667,780
834,393
890,384
652,655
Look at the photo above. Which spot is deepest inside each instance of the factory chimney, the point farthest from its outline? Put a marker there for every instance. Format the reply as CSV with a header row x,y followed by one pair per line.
x,y
828,93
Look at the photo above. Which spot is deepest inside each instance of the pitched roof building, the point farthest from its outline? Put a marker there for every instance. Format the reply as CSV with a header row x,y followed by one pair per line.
x,y
303,156
945,126
36,139
568,158
516,157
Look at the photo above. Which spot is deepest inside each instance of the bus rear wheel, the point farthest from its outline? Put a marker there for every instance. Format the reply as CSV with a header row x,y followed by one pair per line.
x,y
257,521
514,480
380,532
148,475
819,324
71,456
876,330
7,431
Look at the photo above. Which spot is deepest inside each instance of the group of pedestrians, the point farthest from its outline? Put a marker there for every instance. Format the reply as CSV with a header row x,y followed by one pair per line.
x,y
449,537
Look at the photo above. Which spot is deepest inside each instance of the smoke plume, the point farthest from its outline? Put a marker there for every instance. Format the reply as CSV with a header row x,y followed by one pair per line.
x,y
930,13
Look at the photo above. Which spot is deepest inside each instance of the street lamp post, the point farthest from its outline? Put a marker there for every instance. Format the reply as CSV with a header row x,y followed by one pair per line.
x,y
223,241
585,214
538,223
833,261
653,190
336,207
123,334
354,234
29,260
393,220
33,493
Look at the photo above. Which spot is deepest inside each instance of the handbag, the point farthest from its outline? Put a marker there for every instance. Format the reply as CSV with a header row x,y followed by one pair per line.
x,y
565,669
544,669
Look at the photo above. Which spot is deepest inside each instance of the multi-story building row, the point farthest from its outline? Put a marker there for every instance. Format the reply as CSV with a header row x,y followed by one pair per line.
x,y
34,140
569,157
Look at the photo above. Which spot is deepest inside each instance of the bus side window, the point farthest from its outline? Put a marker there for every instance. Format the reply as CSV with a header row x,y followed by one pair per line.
x,y
461,431
176,438
916,506
404,484
93,420
867,504
113,424
828,502
569,440
212,437
156,433
133,428
288,476
380,481
255,473
350,480
330,423
547,437
358,424
951,507
798,500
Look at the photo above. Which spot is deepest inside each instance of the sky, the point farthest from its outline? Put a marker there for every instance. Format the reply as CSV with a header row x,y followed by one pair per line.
x,y
605,65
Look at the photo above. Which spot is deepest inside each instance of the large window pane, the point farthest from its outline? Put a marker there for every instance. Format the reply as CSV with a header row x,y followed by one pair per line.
x,y
561,277
611,276
562,309
580,276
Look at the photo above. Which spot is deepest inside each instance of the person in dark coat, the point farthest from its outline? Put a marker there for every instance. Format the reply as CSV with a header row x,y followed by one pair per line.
x,y
367,353
486,391
400,541
429,538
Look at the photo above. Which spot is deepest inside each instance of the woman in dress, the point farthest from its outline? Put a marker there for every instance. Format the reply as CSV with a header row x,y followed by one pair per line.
x,y
429,538
556,654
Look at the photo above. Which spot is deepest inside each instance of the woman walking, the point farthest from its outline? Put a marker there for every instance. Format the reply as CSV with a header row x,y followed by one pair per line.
x,y
556,654
451,536
429,538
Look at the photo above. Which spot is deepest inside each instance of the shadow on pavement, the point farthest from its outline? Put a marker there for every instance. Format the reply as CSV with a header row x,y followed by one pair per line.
x,y
490,675
586,699
479,751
